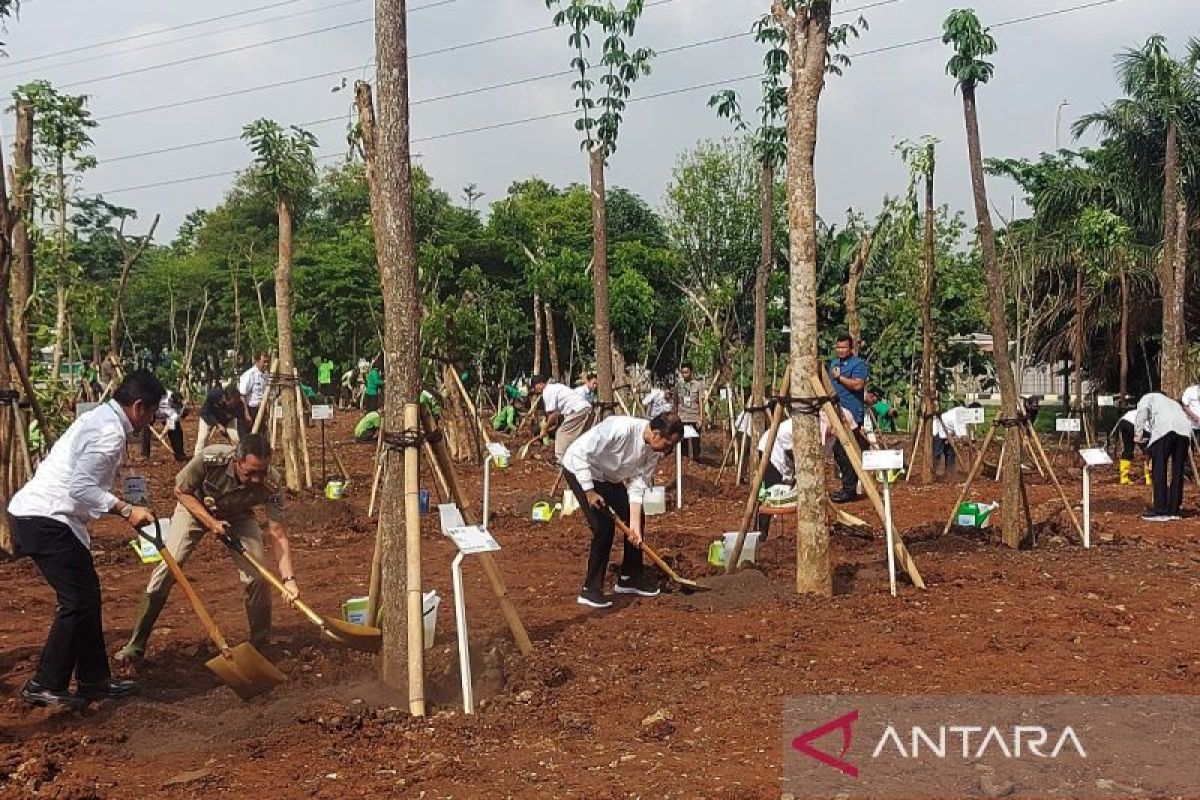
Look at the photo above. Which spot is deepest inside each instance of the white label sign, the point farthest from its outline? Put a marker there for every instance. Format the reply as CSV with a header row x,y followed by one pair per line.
x,y
497,450
1067,425
134,489
972,416
1095,457
690,433
321,413
1106,400
882,460
473,539
278,411
83,408
724,394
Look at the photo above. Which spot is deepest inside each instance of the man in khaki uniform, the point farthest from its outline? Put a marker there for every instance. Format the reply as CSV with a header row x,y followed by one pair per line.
x,y
217,492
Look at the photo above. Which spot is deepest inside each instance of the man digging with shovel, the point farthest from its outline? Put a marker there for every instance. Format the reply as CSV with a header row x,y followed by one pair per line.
x,y
217,493
610,467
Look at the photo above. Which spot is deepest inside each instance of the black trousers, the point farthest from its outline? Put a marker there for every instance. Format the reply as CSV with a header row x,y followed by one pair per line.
x,y
174,436
845,467
243,427
771,477
942,448
1171,451
75,644
1125,429
603,530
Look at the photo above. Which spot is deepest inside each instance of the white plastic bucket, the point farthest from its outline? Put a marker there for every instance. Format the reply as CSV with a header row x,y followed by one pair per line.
x,y
569,504
749,547
655,501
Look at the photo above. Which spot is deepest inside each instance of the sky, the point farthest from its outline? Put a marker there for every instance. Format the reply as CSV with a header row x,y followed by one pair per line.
x,y
898,91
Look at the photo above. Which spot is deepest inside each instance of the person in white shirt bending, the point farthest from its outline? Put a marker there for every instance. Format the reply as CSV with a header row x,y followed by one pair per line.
x,y
253,386
610,468
567,413
1166,430
947,429
72,487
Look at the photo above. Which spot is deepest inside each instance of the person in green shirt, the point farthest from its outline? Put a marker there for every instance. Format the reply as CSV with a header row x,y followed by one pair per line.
x,y
371,393
325,379
884,413
367,428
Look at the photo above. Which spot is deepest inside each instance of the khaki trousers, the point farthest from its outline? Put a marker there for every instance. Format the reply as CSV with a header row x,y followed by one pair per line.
x,y
568,431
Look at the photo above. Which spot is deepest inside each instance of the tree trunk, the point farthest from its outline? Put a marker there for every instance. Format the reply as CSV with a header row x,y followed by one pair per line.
x,y
537,334
603,332
11,459
857,268
1171,362
1010,506
1124,384
22,248
60,282
1183,214
287,354
929,404
762,278
1077,356
808,36
392,199
552,345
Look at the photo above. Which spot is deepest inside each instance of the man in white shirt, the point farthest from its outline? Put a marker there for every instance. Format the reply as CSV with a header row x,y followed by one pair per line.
x,y
567,413
1191,405
253,386
587,389
609,468
1167,430
1128,437
657,401
951,426
50,517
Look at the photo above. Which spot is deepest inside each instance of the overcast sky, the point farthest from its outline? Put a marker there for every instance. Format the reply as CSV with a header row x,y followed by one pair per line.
x,y
883,97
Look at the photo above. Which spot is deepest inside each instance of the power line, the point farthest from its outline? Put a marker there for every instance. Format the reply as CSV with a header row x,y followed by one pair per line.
x,y
337,72
241,48
191,37
156,32
644,98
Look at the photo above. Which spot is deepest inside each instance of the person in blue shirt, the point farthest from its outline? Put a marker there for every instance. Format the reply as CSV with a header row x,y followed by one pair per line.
x,y
848,373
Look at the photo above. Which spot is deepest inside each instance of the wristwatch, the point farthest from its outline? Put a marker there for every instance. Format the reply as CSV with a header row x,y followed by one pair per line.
x,y
126,512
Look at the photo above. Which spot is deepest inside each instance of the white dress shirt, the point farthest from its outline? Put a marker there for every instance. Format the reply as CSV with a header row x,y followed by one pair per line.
x,y
615,451
655,403
1159,415
1191,402
563,399
253,385
782,449
74,484
951,422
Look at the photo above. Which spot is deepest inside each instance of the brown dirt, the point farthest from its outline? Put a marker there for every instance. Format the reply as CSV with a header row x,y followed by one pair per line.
x,y
567,720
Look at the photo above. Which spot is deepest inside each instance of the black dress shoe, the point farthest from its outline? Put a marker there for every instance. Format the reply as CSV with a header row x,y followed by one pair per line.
x,y
843,497
109,690
37,695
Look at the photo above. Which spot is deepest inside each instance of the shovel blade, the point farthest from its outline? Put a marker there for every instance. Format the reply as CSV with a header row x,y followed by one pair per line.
x,y
363,638
246,671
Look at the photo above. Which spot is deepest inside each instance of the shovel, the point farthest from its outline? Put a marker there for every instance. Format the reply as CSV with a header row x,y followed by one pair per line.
x,y
686,584
356,637
241,668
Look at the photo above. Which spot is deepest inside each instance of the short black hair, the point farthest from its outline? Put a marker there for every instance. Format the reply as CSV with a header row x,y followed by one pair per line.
x,y
847,338
668,423
231,392
140,385
974,405
687,365
253,444
536,379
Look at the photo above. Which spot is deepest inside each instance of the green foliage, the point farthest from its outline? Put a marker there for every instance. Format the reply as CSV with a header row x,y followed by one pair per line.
x,y
284,161
972,43
601,111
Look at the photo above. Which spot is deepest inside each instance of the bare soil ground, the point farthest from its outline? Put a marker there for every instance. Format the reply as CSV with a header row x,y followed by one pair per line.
x,y
577,718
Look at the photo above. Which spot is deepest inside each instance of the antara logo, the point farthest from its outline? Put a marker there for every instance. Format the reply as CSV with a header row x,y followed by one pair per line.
x,y
944,741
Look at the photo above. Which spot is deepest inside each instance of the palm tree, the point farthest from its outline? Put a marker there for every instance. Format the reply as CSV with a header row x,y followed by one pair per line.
x,y
285,167
1157,125
972,43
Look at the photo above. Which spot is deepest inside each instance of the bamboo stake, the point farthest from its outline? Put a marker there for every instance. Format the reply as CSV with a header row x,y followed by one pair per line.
x,y
851,448
267,395
785,388
376,585
443,489
490,567
976,468
303,425
412,581
378,472
462,390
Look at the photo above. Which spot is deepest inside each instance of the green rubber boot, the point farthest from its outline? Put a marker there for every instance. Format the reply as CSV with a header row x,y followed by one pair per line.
x,y
143,624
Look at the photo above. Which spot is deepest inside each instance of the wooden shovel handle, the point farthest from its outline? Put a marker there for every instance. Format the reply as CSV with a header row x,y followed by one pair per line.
x,y
236,546
645,548
210,626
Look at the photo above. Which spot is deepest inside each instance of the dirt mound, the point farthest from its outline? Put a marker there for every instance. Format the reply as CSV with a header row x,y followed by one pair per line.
x,y
742,589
